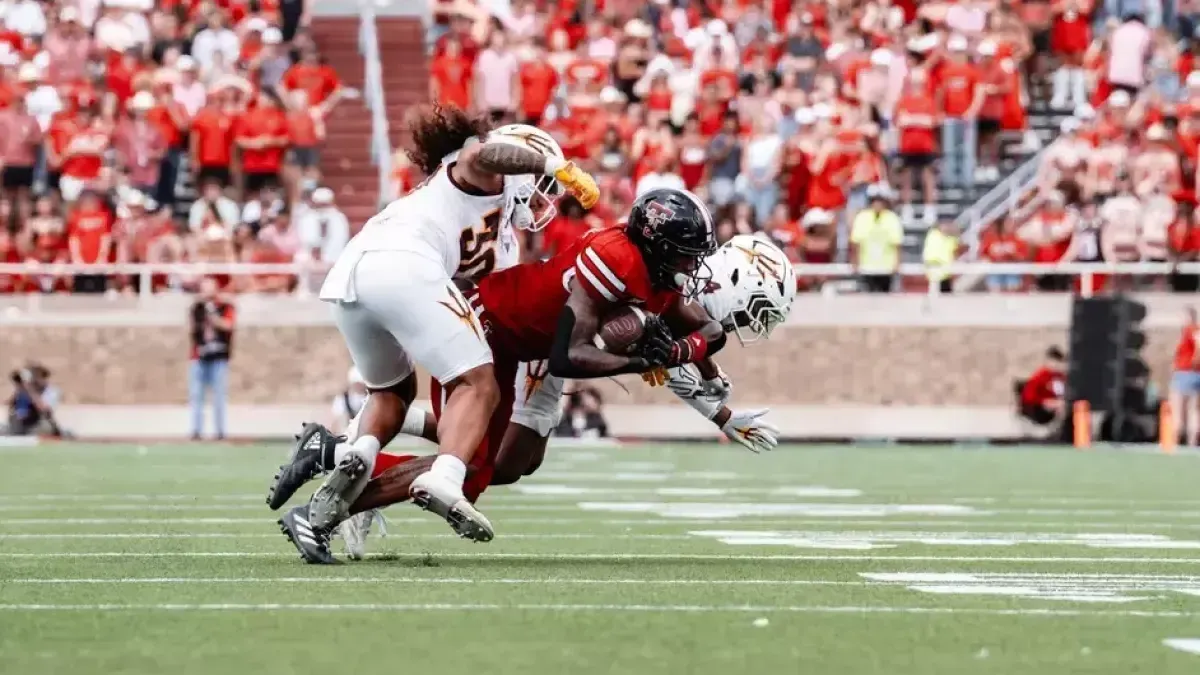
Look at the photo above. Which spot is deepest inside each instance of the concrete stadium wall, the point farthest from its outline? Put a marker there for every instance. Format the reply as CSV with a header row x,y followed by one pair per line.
x,y
859,351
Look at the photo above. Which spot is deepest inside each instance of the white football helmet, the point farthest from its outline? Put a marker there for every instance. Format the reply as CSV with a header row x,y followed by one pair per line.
x,y
530,202
761,287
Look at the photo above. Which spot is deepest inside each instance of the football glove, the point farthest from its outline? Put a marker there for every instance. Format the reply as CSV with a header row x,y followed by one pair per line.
x,y
748,428
718,388
579,184
656,342
655,377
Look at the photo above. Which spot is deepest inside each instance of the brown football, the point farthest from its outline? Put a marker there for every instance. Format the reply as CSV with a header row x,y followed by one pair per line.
x,y
621,331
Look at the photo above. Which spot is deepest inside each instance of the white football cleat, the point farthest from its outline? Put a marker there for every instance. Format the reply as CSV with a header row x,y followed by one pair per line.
x,y
441,496
355,530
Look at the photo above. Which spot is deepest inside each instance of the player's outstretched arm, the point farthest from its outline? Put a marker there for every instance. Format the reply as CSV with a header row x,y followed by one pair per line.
x,y
484,165
575,354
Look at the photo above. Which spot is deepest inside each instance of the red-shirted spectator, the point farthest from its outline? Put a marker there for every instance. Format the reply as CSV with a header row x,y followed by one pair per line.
x,y
211,139
68,46
20,139
917,118
960,96
306,133
140,145
1185,380
1042,393
571,224
10,253
314,77
89,231
451,77
121,75
1000,244
538,81
262,135
137,229
77,148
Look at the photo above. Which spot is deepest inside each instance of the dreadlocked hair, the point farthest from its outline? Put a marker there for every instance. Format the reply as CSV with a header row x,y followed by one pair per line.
x,y
439,130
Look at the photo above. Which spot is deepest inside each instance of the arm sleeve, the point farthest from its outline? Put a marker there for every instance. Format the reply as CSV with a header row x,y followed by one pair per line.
x,y
685,382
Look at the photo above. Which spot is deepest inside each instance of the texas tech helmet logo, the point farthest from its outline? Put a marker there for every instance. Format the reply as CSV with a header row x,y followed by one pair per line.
x,y
658,213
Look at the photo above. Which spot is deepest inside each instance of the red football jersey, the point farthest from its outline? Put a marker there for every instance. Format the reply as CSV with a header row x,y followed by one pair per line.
x,y
521,304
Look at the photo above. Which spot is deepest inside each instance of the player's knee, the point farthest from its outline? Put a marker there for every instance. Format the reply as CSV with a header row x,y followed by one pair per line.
x,y
405,390
482,381
535,461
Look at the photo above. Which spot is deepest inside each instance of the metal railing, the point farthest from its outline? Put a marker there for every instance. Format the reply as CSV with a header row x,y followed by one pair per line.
x,y
373,97
187,275
998,201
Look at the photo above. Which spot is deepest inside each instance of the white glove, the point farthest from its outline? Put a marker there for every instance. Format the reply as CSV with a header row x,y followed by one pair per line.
x,y
719,389
748,428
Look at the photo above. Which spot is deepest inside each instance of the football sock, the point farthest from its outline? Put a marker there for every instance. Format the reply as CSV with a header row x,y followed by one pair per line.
x,y
451,468
366,446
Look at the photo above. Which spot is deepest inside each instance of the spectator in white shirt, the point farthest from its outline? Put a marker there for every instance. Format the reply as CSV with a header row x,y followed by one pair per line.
x,y
323,228
662,176
113,32
188,91
213,201
25,17
216,45
41,100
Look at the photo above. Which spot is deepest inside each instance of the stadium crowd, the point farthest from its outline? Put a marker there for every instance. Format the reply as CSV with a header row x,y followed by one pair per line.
x,y
824,124
114,114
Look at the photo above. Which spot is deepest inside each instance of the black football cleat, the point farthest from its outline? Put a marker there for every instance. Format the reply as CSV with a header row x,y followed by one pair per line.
x,y
312,455
312,544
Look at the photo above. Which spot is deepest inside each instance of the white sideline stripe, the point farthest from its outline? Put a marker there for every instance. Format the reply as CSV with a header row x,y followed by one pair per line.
x,y
444,580
1189,645
982,525
697,609
610,556
305,532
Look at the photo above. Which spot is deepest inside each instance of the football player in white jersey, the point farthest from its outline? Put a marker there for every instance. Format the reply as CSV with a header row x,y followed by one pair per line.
x,y
396,306
751,293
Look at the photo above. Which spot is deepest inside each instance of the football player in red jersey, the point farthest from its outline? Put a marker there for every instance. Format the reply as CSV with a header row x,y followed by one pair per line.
x,y
552,309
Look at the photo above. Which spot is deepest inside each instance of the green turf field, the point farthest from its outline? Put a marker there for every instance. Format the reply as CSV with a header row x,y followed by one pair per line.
x,y
658,559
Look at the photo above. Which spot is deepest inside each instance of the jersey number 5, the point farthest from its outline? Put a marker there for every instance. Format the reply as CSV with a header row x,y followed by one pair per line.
x,y
477,248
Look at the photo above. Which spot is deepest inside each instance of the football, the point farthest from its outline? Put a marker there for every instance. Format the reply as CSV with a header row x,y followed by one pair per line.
x,y
621,331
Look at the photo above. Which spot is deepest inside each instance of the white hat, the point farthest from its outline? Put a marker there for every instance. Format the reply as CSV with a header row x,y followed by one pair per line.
x,y
835,51
1193,79
354,377
881,57
816,217
923,44
322,196
1119,99
638,29
1156,132
69,14
256,24
143,101
611,95
185,62
29,73
822,111
1069,125
716,28
805,116
957,43
272,36
987,48
880,191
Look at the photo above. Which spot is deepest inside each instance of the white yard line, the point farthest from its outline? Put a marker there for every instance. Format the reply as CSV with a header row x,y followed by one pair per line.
x,y
619,557
980,525
692,609
1121,581
255,535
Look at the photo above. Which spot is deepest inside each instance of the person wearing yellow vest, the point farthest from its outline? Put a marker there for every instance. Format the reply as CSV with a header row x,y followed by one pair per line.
x,y
876,235
940,251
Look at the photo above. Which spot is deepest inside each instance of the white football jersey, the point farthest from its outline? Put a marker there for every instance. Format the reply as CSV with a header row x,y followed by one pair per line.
x,y
461,230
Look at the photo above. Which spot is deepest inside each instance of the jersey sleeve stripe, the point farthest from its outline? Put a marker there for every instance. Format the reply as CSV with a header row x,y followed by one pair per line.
x,y
594,281
603,269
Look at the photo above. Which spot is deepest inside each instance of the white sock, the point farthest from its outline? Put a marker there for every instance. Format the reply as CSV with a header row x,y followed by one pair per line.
x,y
1078,88
1061,82
365,446
450,467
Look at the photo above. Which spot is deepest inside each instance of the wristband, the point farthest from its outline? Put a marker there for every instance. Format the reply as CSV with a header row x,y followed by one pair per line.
x,y
414,422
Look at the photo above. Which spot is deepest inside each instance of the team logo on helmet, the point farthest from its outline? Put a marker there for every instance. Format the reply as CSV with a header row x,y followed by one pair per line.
x,y
658,213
